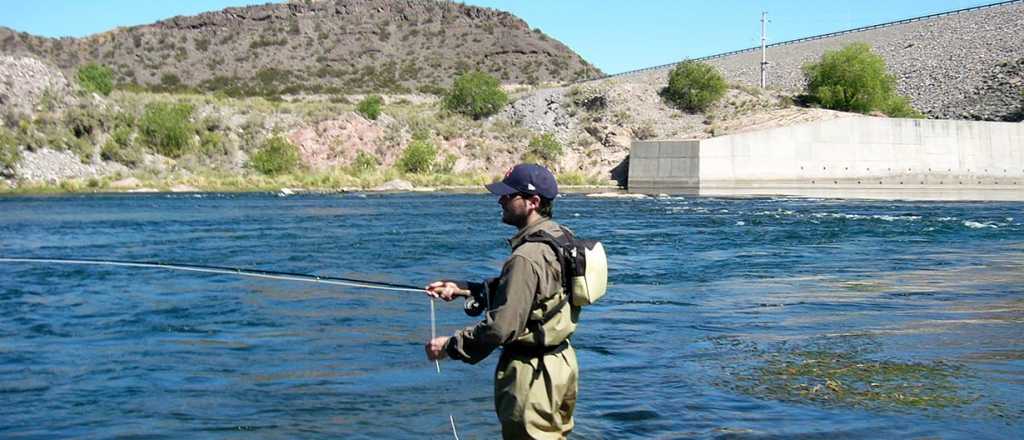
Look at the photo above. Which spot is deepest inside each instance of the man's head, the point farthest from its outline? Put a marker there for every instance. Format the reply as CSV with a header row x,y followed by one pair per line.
x,y
526,191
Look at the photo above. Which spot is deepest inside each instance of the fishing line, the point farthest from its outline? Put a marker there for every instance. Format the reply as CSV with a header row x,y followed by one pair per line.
x,y
437,363
255,273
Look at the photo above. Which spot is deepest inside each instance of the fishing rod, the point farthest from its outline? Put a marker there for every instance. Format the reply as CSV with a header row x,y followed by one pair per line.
x,y
255,273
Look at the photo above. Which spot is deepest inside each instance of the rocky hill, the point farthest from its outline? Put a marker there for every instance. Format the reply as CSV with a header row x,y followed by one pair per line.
x,y
963,66
320,46
85,141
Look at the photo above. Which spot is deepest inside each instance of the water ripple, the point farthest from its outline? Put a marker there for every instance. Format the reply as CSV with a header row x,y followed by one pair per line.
x,y
703,291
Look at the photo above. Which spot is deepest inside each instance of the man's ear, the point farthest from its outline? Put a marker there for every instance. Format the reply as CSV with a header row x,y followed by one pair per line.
x,y
535,201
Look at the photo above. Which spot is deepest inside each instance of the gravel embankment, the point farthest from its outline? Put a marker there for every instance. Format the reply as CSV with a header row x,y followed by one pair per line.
x,y
965,66
52,167
25,81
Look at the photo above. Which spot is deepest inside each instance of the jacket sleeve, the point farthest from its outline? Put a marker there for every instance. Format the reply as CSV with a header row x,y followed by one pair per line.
x,y
506,316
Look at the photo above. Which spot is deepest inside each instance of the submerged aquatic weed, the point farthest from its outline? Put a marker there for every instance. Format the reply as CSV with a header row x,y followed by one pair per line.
x,y
852,379
822,375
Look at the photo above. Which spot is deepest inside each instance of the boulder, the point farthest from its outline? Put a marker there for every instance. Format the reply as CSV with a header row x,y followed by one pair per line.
x,y
395,185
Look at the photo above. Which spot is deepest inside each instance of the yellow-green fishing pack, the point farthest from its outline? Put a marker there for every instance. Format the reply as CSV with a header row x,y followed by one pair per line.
x,y
584,265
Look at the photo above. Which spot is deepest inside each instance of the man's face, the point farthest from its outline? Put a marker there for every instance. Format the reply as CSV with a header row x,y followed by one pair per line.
x,y
516,208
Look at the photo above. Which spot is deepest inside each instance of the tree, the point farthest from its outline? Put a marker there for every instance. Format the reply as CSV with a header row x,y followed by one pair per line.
x,y
96,78
693,86
855,79
418,157
276,156
475,94
167,128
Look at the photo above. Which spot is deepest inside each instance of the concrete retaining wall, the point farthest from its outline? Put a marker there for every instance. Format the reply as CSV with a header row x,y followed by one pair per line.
x,y
850,157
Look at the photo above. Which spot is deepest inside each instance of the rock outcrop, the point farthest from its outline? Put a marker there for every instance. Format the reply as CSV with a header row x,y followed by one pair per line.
x,y
28,85
318,46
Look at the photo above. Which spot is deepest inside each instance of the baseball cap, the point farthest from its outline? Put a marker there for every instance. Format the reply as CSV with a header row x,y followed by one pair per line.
x,y
526,178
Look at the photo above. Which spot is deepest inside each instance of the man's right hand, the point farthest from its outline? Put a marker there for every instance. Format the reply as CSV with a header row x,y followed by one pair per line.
x,y
445,290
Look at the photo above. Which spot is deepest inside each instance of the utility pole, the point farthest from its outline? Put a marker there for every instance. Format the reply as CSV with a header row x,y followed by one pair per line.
x,y
764,54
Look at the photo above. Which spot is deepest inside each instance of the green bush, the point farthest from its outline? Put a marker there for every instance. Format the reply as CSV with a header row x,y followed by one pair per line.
x,y
211,144
276,156
365,162
693,86
855,79
475,94
899,107
96,78
418,157
9,152
170,81
370,106
167,129
83,148
543,149
84,122
121,149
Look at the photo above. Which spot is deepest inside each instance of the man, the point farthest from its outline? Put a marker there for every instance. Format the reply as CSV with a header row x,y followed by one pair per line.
x,y
526,313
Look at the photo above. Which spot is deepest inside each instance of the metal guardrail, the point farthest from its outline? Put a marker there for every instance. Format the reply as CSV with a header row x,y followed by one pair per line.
x,y
805,39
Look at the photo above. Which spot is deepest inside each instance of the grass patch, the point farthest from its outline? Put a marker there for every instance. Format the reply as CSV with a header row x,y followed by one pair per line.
x,y
580,179
342,178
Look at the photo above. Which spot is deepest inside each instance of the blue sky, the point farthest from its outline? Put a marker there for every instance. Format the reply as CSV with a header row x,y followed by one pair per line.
x,y
614,35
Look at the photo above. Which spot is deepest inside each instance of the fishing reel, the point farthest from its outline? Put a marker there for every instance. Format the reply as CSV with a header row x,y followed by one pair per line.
x,y
472,307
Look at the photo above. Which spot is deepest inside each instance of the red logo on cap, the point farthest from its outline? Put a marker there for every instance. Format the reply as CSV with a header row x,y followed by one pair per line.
x,y
508,173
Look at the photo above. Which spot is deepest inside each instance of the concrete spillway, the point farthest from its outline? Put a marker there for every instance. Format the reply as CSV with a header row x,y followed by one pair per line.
x,y
856,157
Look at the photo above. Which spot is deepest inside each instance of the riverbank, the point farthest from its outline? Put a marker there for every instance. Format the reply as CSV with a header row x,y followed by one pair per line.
x,y
323,182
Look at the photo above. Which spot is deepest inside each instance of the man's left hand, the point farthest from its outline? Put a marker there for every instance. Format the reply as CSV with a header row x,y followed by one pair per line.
x,y
435,348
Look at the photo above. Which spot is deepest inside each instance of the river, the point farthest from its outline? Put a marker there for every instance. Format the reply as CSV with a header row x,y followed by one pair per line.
x,y
725,318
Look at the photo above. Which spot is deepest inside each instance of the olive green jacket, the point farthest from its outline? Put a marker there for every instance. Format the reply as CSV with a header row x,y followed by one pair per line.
x,y
530,286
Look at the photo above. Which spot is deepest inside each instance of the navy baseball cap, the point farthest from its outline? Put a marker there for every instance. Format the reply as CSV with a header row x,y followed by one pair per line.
x,y
526,178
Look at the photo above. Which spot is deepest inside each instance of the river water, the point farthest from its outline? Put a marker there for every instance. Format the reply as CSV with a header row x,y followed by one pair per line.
x,y
726,318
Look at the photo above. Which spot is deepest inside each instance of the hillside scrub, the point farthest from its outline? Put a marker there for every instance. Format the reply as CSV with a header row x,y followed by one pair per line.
x,y
543,149
221,137
167,128
418,156
370,107
855,79
9,152
475,94
276,156
693,86
96,78
121,148
364,163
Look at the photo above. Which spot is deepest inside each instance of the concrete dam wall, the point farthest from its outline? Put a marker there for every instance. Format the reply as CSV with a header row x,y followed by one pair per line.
x,y
855,157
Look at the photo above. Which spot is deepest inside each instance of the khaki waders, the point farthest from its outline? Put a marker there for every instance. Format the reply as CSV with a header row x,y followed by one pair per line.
x,y
535,395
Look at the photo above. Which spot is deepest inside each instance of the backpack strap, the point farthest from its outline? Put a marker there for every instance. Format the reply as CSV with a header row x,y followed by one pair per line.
x,y
557,245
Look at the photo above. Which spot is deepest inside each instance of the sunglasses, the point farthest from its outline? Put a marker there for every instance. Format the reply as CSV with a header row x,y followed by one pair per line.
x,y
512,196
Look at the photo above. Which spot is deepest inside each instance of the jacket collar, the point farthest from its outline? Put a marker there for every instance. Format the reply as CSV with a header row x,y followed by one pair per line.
x,y
517,239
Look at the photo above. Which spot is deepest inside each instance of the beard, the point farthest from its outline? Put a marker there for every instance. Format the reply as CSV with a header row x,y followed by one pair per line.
x,y
513,218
